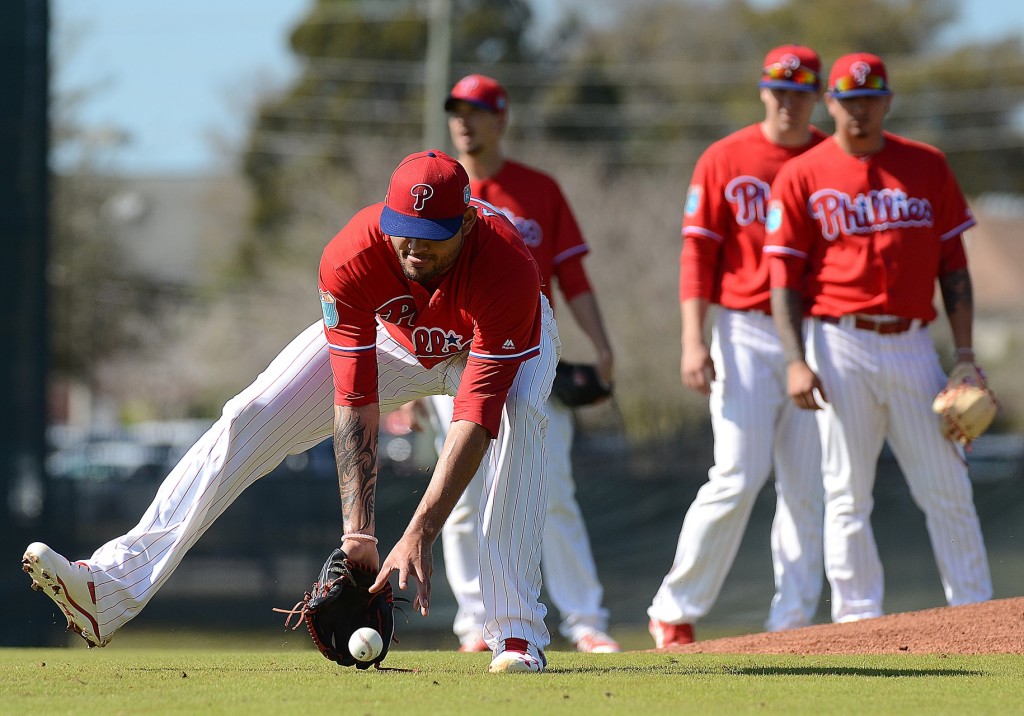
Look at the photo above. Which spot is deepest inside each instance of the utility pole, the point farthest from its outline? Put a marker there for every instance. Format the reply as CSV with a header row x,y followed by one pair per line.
x,y
439,56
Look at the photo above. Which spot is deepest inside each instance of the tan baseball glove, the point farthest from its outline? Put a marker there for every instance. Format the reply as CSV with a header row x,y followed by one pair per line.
x,y
966,406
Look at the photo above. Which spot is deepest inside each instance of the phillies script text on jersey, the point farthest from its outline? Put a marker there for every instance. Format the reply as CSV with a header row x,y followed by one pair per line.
x,y
867,234
877,210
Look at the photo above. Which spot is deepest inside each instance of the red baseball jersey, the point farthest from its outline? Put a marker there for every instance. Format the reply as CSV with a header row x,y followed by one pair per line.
x,y
487,304
723,221
867,234
533,201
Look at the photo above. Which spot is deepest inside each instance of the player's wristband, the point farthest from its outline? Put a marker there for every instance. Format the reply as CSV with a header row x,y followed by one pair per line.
x,y
359,536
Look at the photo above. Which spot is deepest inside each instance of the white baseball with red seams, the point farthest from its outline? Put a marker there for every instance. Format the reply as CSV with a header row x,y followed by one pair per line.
x,y
365,644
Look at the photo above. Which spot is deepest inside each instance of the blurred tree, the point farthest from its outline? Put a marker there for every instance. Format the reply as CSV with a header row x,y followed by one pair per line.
x,y
97,301
362,76
674,76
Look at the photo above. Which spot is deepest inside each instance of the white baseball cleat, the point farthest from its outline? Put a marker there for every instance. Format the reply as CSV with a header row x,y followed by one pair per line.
x,y
70,585
597,642
518,656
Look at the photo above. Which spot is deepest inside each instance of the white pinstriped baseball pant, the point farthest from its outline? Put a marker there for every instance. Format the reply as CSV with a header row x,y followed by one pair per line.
x,y
881,387
288,409
756,426
567,561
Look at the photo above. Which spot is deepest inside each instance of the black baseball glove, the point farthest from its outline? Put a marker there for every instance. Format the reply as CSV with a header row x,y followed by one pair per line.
x,y
339,603
577,384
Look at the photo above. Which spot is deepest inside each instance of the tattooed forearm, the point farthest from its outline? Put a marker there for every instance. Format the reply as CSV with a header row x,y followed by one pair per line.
x,y
957,293
958,299
788,312
355,451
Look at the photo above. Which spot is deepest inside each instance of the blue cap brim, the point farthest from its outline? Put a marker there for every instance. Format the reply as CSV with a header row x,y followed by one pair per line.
x,y
450,102
415,227
783,85
860,93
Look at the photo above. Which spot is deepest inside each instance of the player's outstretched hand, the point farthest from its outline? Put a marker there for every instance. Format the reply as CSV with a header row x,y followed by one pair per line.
x,y
412,559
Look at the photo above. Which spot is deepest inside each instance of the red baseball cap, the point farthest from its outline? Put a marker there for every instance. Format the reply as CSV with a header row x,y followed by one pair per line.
x,y
792,67
858,75
479,90
427,196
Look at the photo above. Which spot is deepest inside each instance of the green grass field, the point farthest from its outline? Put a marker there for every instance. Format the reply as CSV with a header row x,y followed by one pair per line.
x,y
202,677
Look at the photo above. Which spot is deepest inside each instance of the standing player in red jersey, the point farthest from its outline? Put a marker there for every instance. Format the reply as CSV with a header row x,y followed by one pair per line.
x,y
477,109
428,292
859,230
755,424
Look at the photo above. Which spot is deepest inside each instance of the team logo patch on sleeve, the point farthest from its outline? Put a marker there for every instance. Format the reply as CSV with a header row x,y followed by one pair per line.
x,y
330,308
774,220
693,198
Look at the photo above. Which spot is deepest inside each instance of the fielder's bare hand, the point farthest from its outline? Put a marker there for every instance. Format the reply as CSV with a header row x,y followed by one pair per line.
x,y
411,558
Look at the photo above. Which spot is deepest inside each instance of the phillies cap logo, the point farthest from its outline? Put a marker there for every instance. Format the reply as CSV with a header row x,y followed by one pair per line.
x,y
421,192
467,84
859,71
790,61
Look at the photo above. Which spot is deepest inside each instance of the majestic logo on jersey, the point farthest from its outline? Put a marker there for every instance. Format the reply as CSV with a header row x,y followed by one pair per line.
x,y
749,197
400,310
421,192
529,229
508,345
878,210
330,309
429,341
693,199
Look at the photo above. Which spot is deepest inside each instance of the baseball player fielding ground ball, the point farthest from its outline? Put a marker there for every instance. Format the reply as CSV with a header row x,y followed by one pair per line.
x,y
428,292
859,230
755,424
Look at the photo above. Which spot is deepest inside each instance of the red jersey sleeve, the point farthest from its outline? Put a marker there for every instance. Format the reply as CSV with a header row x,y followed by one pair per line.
x,y
955,219
788,232
702,245
507,332
572,277
349,325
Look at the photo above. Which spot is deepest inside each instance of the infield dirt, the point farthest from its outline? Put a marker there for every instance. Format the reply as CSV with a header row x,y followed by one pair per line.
x,y
993,627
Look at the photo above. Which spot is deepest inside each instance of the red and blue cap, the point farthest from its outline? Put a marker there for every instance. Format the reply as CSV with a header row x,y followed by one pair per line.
x,y
480,91
791,67
858,75
427,197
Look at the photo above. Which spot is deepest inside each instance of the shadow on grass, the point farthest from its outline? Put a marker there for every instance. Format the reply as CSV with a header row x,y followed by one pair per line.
x,y
674,668
845,671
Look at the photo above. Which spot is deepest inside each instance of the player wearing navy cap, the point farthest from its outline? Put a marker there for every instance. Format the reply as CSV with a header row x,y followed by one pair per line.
x,y
428,292
860,230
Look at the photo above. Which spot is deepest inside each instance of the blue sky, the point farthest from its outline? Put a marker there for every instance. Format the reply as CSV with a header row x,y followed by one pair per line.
x,y
174,74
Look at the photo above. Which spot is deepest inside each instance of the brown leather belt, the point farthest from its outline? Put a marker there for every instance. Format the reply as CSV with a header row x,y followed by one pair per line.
x,y
901,325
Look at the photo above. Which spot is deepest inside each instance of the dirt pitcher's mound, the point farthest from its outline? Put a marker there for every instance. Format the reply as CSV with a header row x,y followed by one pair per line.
x,y
994,627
